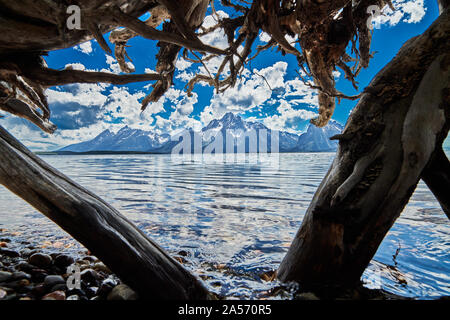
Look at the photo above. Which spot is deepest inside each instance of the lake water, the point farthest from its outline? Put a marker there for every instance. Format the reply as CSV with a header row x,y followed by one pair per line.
x,y
235,219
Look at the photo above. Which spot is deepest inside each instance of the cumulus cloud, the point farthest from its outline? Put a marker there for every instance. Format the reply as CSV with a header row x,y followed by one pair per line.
x,y
85,47
267,87
114,66
216,38
287,118
407,11
247,94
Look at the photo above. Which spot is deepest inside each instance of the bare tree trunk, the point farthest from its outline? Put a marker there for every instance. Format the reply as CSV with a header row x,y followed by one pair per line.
x,y
135,258
437,177
389,139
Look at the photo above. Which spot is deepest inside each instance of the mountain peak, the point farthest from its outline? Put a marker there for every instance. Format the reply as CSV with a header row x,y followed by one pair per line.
x,y
129,139
229,115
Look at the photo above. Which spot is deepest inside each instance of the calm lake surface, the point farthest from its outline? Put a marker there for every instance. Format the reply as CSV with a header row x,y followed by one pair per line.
x,y
235,219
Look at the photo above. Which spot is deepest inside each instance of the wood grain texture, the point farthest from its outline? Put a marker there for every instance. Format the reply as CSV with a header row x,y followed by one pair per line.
x,y
125,249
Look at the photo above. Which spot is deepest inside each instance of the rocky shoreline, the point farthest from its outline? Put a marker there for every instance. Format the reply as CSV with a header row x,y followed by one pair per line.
x,y
33,274
36,269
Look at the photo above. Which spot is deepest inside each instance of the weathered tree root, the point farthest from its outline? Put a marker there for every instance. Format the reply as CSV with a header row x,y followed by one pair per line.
x,y
387,146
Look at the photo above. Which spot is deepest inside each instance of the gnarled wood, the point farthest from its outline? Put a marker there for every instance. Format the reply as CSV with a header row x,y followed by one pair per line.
x,y
135,258
390,137
437,177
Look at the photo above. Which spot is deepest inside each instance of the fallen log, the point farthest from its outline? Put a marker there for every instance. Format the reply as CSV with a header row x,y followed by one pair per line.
x,y
127,251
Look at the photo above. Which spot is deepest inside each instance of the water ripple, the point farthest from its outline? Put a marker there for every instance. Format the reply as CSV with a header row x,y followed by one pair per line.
x,y
235,221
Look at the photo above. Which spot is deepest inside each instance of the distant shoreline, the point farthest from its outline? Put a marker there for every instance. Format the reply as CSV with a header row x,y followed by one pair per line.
x,y
71,153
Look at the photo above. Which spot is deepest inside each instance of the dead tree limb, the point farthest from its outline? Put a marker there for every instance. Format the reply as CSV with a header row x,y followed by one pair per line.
x,y
129,253
394,130
437,177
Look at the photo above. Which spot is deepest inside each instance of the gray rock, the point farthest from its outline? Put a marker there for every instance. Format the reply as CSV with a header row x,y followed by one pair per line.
x,y
100,266
55,295
5,276
90,258
9,253
16,284
25,266
51,281
63,261
89,276
39,290
122,292
26,252
38,274
106,287
41,260
20,275
59,287
307,296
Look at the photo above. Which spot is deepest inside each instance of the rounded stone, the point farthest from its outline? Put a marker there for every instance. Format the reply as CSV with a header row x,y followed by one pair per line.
x,y
40,260
59,287
20,275
9,253
63,261
25,266
52,280
122,292
5,276
89,276
100,266
106,287
55,295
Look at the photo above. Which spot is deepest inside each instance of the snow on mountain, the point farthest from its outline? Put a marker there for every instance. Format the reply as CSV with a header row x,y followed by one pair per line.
x,y
318,139
231,129
126,139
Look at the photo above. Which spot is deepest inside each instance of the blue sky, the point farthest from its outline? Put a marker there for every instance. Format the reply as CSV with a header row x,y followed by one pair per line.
x,y
81,111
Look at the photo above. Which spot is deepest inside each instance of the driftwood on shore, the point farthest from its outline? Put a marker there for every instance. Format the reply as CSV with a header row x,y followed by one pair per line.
x,y
392,139
135,258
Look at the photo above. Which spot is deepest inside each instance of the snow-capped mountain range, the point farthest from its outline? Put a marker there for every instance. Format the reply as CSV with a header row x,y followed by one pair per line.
x,y
126,139
230,127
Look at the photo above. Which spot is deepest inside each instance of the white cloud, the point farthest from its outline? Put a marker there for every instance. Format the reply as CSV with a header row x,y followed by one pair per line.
x,y
182,64
85,94
407,11
248,94
287,118
266,87
264,37
85,47
216,38
114,66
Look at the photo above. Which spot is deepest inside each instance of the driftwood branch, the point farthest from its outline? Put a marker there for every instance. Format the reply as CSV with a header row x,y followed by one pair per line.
x,y
324,29
135,258
437,177
50,77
